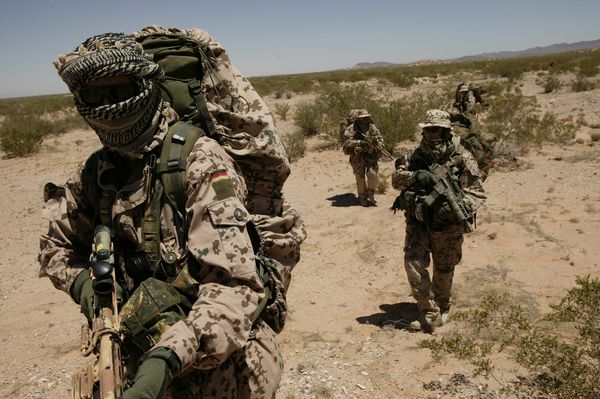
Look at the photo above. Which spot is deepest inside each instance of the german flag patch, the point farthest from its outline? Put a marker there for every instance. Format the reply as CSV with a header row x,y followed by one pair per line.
x,y
221,183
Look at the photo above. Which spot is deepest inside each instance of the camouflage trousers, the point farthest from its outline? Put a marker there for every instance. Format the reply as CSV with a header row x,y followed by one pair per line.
x,y
249,373
421,247
364,166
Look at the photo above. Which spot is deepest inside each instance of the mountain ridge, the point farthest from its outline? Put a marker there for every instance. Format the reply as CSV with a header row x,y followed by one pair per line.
x,y
533,51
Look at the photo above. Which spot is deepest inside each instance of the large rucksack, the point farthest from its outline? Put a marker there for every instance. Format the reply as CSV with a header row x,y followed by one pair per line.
x,y
480,145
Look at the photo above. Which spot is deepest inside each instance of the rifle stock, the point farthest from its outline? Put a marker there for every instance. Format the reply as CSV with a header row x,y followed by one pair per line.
x,y
103,377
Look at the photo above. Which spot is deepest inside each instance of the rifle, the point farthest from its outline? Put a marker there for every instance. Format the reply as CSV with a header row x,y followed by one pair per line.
x,y
446,186
103,377
375,144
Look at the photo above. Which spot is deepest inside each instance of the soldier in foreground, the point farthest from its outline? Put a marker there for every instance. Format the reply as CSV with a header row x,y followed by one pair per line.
x,y
363,142
440,193
198,284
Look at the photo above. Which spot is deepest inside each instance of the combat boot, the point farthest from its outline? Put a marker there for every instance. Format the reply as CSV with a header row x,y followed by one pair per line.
x,y
364,201
427,322
371,197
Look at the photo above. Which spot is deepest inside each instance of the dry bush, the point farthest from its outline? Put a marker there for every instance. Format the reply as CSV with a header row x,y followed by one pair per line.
x,y
295,145
282,110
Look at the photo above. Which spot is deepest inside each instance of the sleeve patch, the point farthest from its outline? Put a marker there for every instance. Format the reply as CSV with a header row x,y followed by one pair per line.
x,y
221,184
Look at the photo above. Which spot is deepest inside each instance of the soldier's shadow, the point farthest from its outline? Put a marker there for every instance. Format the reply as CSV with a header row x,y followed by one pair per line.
x,y
344,200
397,315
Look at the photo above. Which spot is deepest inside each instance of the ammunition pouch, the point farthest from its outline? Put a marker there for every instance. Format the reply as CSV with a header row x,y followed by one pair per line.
x,y
152,308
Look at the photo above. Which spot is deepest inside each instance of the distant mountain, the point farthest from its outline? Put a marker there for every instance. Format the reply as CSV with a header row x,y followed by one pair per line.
x,y
551,49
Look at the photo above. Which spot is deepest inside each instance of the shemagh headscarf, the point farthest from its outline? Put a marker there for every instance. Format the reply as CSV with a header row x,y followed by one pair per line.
x,y
130,125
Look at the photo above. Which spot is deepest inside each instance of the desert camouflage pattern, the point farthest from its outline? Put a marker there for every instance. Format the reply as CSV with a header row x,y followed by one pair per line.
x,y
455,155
364,163
246,126
432,293
444,246
221,273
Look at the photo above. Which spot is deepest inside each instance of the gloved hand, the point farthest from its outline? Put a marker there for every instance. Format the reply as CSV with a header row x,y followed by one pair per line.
x,y
444,215
357,150
83,293
424,178
157,369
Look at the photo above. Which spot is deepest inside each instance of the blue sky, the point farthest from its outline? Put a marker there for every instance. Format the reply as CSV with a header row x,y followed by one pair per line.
x,y
266,37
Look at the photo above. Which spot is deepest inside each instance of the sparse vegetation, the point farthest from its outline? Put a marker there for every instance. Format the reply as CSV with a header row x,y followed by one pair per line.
x,y
282,109
561,364
27,120
295,145
308,118
582,84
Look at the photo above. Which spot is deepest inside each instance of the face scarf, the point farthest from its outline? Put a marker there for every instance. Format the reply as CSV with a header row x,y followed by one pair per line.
x,y
440,149
131,124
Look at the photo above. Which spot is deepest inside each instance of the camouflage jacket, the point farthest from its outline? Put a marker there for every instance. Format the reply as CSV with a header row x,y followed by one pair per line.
x,y
468,171
369,141
219,251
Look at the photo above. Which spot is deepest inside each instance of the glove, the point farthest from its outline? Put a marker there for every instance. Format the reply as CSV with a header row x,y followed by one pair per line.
x,y
357,150
157,369
424,178
83,293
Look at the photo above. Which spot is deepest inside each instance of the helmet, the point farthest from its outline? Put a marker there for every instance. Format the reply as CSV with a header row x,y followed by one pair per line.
x,y
363,113
436,117
463,87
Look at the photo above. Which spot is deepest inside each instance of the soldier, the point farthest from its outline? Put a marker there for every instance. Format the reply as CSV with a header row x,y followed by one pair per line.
x,y
434,233
363,142
464,99
212,341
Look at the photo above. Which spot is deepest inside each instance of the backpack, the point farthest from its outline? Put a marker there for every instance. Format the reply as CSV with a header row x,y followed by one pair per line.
x,y
482,148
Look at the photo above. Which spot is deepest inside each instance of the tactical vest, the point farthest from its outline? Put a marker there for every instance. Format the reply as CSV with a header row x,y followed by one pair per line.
x,y
145,321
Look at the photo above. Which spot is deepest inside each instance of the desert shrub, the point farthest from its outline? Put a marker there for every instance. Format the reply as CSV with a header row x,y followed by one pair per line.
x,y
550,83
278,94
21,134
560,351
582,84
382,183
295,145
282,110
515,120
308,117
595,136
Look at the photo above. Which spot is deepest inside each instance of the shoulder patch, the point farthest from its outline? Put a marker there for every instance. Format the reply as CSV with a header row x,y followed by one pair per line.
x,y
221,183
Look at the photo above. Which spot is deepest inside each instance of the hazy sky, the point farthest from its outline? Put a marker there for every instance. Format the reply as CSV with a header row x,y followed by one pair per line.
x,y
266,37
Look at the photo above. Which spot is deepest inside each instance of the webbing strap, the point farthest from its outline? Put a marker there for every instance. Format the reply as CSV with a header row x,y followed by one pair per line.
x,y
151,226
206,119
172,164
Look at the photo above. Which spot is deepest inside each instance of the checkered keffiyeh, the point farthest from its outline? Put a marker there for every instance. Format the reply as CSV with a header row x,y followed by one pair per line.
x,y
121,124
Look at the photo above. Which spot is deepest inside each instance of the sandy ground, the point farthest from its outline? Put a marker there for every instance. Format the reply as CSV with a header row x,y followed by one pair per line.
x,y
537,232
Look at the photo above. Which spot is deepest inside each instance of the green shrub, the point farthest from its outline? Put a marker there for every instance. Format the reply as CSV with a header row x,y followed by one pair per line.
x,y
295,145
515,120
21,134
560,351
308,118
282,110
550,83
582,84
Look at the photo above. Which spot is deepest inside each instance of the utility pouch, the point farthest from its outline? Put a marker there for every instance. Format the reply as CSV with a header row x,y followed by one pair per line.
x,y
152,308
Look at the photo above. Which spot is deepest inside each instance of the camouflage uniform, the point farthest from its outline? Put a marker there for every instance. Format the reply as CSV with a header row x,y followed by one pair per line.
x,y
362,146
464,99
428,240
222,353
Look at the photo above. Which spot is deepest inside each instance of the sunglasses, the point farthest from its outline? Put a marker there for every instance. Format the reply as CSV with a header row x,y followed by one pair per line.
x,y
106,95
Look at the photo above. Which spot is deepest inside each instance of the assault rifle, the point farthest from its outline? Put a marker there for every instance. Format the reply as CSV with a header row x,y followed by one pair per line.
x,y
446,186
374,143
102,377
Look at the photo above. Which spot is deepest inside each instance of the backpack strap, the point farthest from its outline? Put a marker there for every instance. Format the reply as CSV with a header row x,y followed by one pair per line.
x,y
171,167
206,119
